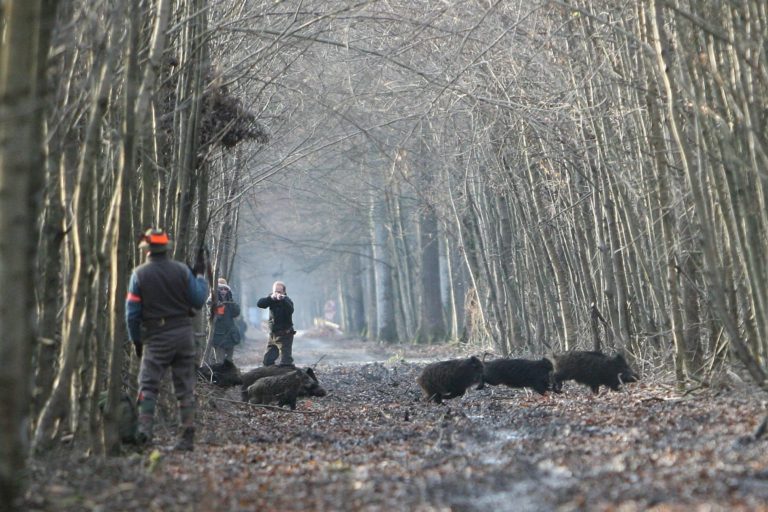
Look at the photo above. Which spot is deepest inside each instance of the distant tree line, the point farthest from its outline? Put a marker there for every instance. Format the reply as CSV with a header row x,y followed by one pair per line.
x,y
535,177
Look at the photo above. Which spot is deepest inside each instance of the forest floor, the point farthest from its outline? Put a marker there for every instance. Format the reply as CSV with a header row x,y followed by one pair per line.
x,y
373,444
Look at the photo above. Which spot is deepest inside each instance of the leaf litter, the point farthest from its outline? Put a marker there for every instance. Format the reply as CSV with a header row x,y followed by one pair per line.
x,y
374,444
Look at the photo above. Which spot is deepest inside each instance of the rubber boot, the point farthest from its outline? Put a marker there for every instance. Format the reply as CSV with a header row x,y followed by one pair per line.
x,y
271,355
186,441
146,421
286,353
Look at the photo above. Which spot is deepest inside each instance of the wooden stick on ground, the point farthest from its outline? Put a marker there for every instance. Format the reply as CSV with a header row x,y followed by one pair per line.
x,y
264,406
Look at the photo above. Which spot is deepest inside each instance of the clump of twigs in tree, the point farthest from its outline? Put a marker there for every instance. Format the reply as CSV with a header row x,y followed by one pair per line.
x,y
225,120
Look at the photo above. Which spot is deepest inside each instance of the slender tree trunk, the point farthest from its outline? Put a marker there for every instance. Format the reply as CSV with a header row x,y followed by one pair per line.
x,y
25,35
371,309
49,267
189,161
385,318
556,262
431,324
74,330
714,278
402,274
118,231
452,285
144,110
353,295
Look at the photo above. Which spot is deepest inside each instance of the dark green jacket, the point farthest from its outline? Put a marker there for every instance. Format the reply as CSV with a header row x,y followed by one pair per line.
x,y
225,331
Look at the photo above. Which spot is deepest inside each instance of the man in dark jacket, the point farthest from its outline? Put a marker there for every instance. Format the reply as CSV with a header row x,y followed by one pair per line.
x,y
226,333
162,297
280,325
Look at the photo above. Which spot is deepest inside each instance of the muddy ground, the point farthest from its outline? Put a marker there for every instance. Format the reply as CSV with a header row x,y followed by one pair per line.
x,y
374,444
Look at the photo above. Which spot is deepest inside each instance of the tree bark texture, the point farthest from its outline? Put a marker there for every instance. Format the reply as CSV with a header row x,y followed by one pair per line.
x,y
25,35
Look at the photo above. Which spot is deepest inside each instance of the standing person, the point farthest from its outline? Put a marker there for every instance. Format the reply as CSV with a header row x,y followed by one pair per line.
x,y
280,325
162,297
226,334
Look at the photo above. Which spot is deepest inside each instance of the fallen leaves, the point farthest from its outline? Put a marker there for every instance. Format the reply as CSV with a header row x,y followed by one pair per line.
x,y
374,444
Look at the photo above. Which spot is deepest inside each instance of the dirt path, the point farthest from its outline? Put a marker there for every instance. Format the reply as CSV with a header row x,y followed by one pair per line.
x,y
309,349
373,444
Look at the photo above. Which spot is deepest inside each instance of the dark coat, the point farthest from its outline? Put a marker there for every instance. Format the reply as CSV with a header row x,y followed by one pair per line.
x,y
280,313
225,331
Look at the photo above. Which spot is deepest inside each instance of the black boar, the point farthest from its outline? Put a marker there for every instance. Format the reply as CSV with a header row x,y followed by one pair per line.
x,y
312,387
224,374
279,389
593,369
520,373
449,379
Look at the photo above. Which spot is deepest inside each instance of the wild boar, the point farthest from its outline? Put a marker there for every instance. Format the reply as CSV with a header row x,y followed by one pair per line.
x,y
278,389
312,387
593,369
520,373
449,379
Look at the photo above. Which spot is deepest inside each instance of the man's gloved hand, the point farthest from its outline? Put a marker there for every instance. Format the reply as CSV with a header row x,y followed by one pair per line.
x,y
199,268
139,346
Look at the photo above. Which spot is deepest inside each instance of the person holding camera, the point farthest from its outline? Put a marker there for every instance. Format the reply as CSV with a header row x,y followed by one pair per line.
x,y
280,325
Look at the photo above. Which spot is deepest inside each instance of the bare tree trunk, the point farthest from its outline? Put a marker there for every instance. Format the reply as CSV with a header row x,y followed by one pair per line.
x,y
467,244
617,269
710,254
49,267
144,110
117,231
371,309
385,318
478,259
431,324
189,159
25,34
556,262
74,330
403,290
452,288
352,277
